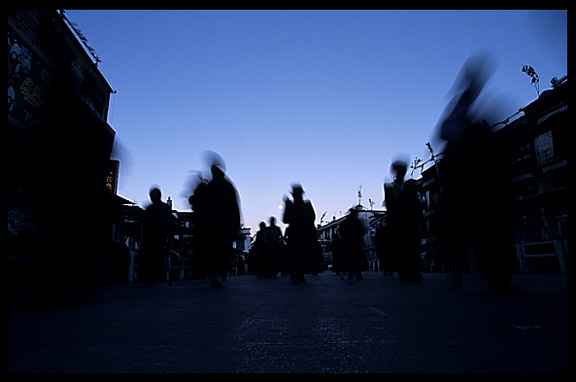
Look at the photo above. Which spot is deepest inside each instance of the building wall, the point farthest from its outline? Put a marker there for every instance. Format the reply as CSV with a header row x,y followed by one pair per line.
x,y
366,217
537,176
59,146
57,104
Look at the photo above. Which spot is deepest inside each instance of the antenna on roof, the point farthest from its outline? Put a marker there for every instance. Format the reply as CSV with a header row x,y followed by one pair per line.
x,y
322,217
556,82
530,72
81,37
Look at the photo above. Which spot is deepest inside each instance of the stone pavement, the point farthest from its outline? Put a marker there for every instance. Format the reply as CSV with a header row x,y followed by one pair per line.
x,y
377,325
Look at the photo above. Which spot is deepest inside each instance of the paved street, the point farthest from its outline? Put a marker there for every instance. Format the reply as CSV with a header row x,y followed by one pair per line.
x,y
377,325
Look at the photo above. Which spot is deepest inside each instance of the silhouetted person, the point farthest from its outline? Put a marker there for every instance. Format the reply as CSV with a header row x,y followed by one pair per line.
x,y
259,251
240,264
156,226
403,223
385,254
273,242
218,220
301,237
199,207
477,208
352,246
337,256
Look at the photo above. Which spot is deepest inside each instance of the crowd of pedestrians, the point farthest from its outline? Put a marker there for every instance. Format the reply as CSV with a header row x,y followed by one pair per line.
x,y
297,252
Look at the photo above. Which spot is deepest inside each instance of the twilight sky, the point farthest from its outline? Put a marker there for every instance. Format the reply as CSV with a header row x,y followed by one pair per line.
x,y
323,98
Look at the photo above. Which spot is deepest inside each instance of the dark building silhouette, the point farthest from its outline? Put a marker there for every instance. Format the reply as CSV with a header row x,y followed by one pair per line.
x,y
536,173
370,220
537,166
59,146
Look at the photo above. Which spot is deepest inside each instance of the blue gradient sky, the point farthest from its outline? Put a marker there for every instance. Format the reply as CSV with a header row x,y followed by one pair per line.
x,y
324,98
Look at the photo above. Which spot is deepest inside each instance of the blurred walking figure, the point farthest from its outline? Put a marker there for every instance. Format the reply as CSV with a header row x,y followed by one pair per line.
x,y
218,222
257,252
385,255
156,227
301,237
266,251
404,213
273,242
337,261
351,234
477,206
199,208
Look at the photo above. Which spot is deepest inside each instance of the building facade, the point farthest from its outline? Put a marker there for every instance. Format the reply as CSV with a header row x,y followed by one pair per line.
x,y
536,168
59,147
369,219
538,178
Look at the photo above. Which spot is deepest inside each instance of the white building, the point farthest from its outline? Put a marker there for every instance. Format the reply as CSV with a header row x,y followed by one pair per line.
x,y
369,219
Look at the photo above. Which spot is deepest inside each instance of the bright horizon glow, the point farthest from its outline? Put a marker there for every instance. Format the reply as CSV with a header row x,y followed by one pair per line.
x,y
322,98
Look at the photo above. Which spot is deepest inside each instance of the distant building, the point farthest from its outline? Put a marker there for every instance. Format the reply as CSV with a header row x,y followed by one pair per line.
x,y
243,243
369,220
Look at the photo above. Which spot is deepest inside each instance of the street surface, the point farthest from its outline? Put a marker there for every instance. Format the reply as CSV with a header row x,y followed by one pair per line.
x,y
376,325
